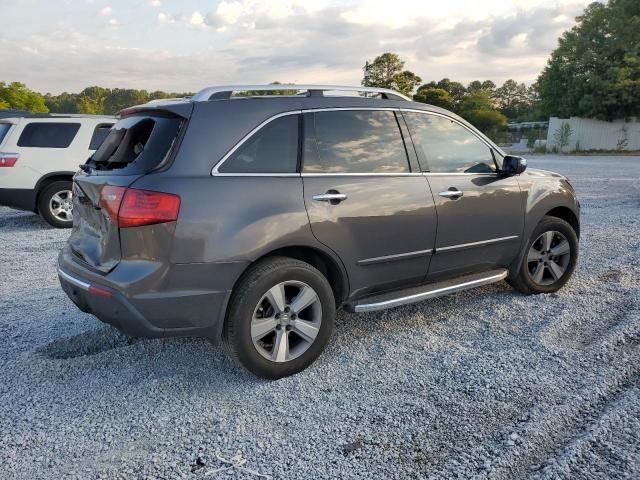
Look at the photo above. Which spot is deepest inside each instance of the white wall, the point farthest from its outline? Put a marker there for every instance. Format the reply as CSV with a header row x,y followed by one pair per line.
x,y
589,134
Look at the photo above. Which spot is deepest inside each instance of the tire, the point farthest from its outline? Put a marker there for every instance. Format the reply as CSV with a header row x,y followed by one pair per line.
x,y
556,269
61,189
253,310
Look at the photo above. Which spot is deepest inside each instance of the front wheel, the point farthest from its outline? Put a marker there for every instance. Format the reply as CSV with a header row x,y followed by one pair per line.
x,y
55,204
280,317
550,258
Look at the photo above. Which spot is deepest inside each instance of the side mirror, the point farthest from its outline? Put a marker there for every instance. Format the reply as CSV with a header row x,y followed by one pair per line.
x,y
512,165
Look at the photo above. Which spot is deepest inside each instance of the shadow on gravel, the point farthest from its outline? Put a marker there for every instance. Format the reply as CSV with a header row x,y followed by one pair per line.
x,y
86,343
19,221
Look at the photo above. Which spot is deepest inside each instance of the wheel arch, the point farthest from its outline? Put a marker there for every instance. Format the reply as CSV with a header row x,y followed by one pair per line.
x,y
47,179
566,214
332,268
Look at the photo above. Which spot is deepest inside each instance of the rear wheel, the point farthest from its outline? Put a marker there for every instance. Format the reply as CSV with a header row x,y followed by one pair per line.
x,y
550,258
280,317
55,204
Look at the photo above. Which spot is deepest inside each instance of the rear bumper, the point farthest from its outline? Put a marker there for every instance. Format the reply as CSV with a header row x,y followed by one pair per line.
x,y
22,198
142,309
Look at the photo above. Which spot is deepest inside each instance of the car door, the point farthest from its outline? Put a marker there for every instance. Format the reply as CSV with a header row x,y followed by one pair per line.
x,y
363,199
480,211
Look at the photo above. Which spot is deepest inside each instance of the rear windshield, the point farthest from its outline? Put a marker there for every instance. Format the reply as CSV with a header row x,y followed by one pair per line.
x,y
48,135
136,144
99,134
4,128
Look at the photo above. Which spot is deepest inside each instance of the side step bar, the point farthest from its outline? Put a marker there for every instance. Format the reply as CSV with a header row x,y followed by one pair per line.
x,y
424,292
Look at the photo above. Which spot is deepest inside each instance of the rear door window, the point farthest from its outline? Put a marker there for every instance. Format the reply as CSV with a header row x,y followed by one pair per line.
x,y
48,135
99,134
137,144
355,141
447,146
272,149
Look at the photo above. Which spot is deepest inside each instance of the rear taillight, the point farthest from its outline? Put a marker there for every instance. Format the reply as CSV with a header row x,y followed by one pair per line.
x,y
131,207
8,159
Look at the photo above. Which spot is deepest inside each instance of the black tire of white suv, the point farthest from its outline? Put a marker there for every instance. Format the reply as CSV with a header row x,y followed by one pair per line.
x,y
55,204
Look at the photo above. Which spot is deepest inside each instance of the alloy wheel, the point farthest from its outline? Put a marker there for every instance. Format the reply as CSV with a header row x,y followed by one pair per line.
x,y
286,321
61,205
548,258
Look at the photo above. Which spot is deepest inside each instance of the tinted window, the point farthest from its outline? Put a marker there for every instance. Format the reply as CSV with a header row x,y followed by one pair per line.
x,y
447,146
4,128
356,142
99,134
272,149
48,135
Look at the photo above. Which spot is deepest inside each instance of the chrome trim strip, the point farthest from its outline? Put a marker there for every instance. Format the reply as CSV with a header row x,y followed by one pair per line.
x,y
383,174
204,94
73,280
217,174
214,171
393,258
350,109
481,243
441,174
396,302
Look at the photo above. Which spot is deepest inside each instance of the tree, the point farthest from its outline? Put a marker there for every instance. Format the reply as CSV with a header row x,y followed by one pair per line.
x,y
595,71
515,100
478,110
434,96
16,95
387,71
456,90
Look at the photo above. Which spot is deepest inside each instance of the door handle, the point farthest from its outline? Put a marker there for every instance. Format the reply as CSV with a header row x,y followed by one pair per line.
x,y
331,197
452,193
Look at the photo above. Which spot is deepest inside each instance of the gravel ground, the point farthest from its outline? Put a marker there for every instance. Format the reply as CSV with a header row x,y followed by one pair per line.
x,y
486,383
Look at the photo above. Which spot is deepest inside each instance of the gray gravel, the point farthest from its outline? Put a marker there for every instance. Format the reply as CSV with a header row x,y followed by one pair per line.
x,y
486,383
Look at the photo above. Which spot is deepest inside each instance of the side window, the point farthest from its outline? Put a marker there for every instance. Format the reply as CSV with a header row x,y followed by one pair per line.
x,y
272,149
99,134
447,146
356,141
48,135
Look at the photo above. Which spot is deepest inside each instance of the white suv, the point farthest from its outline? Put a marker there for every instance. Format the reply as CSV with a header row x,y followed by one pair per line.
x,y
39,154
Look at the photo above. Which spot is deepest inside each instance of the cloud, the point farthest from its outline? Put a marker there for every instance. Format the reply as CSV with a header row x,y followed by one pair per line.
x,y
105,12
251,41
154,3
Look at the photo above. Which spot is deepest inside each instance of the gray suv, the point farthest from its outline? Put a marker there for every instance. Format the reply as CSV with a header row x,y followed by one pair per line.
x,y
250,218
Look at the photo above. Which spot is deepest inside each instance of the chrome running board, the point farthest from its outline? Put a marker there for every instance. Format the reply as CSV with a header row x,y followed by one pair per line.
x,y
425,292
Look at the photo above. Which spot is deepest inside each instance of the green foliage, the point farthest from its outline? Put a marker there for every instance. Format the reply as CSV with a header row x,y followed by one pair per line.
x,y
250,93
17,96
477,108
595,71
387,71
434,96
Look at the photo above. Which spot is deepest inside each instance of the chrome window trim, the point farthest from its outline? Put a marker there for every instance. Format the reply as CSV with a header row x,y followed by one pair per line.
x,y
215,172
349,109
463,246
379,174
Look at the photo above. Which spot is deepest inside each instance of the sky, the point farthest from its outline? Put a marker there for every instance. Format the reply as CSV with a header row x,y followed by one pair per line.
x,y
173,45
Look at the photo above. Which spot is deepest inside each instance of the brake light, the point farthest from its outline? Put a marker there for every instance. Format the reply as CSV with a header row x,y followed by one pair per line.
x,y
131,207
8,159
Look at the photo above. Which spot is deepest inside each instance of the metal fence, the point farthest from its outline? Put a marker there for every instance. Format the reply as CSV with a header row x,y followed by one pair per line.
x,y
576,134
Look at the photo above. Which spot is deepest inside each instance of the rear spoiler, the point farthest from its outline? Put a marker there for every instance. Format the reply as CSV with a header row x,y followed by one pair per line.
x,y
180,107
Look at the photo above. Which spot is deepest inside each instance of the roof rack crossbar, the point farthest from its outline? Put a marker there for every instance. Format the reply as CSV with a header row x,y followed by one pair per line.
x,y
226,91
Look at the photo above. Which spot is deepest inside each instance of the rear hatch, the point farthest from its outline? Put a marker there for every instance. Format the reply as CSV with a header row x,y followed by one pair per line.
x,y
138,144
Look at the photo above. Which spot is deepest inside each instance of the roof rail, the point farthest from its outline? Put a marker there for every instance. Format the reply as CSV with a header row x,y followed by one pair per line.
x,y
226,91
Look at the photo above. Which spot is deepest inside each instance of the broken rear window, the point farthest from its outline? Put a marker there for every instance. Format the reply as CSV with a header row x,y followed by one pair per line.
x,y
137,144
